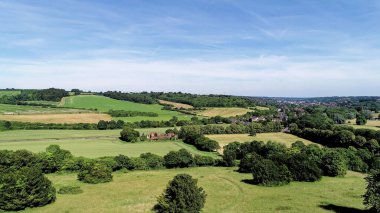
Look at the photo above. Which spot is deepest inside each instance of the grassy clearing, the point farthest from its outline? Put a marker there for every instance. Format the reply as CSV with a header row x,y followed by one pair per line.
x,y
176,105
371,124
261,108
137,192
58,118
21,135
280,137
25,110
224,112
104,104
47,103
9,93
89,143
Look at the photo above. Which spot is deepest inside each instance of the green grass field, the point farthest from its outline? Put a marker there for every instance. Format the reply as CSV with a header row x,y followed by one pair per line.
x,y
224,112
104,104
22,109
9,93
371,124
90,143
280,137
226,193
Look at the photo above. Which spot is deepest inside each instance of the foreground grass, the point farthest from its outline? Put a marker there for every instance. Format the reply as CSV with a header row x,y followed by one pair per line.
x,y
104,104
226,192
224,112
90,143
279,137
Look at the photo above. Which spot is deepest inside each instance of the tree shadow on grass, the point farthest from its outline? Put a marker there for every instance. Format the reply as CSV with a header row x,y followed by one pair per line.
x,y
342,209
248,181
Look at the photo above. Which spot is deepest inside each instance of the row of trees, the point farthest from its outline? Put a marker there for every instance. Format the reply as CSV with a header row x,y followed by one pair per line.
x,y
101,125
274,164
51,94
125,113
341,137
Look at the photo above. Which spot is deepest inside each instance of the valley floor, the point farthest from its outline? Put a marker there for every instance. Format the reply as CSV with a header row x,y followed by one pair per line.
x,y
226,192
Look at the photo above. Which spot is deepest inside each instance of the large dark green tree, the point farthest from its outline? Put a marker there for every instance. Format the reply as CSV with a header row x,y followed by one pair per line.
x,y
181,196
334,164
24,187
372,196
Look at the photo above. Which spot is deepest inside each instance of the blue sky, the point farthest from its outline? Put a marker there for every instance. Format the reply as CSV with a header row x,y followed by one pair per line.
x,y
258,48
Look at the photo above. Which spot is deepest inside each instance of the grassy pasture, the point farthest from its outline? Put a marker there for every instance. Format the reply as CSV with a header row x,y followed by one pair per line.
x,y
226,193
224,112
176,105
58,118
89,143
104,104
371,124
261,108
280,137
9,92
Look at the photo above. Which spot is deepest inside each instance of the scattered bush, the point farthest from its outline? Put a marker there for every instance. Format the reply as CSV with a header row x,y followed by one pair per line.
x,y
70,190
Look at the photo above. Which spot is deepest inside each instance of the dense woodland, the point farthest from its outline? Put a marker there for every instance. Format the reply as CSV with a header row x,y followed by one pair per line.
x,y
50,94
185,98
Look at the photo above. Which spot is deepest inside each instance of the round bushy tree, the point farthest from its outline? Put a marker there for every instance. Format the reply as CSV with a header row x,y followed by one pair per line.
x,y
24,187
181,195
248,161
334,164
372,196
268,173
303,168
95,172
129,135
181,158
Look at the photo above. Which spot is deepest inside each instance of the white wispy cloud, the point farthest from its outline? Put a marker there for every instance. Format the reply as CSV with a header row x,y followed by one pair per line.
x,y
270,75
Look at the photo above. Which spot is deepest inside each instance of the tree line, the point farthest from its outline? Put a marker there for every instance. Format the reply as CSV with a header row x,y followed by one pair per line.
x,y
186,98
125,113
51,94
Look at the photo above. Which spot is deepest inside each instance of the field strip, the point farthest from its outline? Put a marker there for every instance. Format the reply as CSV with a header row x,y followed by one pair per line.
x,y
58,139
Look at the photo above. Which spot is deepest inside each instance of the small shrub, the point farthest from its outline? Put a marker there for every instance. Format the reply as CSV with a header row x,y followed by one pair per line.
x,y
70,190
